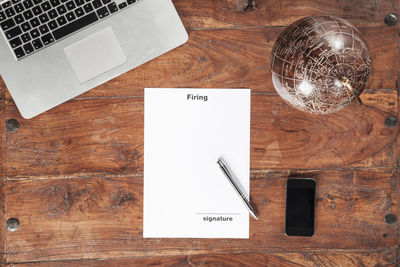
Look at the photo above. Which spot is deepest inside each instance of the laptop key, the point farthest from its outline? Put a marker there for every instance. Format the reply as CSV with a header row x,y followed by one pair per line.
x,y
103,12
34,33
79,2
37,10
28,4
37,44
79,12
15,1
34,22
52,25
70,16
47,39
19,52
6,4
14,32
97,4
52,14
7,24
70,5
55,3
112,7
28,14
61,9
28,48
46,6
10,12
25,37
15,42
2,16
61,20
75,25
37,1
25,26
130,2
19,19
43,18
43,29
19,8
105,2
122,5
88,7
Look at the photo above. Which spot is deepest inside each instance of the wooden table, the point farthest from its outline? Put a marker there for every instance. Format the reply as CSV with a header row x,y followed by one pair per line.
x,y
73,176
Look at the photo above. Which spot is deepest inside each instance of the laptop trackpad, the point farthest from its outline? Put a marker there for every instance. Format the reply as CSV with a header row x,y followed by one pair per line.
x,y
95,55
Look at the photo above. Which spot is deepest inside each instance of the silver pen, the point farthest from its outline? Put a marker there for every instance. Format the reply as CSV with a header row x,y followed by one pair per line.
x,y
228,175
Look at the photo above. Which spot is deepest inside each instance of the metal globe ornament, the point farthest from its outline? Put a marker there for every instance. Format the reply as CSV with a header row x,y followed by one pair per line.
x,y
320,64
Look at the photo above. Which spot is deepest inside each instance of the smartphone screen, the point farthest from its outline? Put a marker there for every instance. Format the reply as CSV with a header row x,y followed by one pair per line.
x,y
300,207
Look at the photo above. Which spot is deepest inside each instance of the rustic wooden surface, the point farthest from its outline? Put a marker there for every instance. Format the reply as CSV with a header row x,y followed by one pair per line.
x,y
73,176
84,210
322,258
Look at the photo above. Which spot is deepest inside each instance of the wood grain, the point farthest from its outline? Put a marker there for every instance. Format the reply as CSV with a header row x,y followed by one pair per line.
x,y
73,139
3,89
2,222
226,13
102,217
3,174
105,137
73,176
325,258
3,150
226,59
282,137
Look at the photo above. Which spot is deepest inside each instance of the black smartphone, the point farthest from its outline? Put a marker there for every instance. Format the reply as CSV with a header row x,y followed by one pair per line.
x,y
300,207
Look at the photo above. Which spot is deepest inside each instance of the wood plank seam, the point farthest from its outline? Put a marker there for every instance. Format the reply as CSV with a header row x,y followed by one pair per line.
x,y
3,232
4,205
78,98
382,50
71,203
139,175
398,155
265,110
394,250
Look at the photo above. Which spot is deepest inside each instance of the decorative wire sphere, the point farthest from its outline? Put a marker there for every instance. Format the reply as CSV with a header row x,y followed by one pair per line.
x,y
319,64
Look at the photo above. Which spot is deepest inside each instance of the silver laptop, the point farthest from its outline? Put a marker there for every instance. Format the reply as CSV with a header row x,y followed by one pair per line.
x,y
54,50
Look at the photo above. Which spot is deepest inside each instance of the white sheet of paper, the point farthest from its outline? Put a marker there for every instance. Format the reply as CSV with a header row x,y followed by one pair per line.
x,y
185,132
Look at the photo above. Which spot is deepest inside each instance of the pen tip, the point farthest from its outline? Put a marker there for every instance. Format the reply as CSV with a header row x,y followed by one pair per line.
x,y
254,215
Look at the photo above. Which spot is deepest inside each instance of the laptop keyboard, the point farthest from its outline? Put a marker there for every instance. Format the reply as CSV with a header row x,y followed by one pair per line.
x,y
31,25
